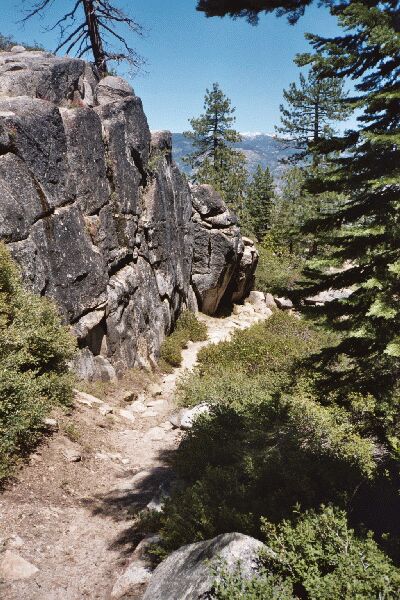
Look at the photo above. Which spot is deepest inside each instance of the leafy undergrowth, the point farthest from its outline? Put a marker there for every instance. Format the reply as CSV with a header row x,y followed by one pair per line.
x,y
277,272
315,555
188,328
34,351
256,362
270,444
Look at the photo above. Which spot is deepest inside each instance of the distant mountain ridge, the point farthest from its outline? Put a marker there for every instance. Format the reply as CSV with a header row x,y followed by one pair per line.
x,y
260,149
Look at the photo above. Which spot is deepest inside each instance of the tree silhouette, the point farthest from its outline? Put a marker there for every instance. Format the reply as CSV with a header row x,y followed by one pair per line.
x,y
91,26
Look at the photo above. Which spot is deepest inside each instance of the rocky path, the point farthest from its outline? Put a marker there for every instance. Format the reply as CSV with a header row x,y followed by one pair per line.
x,y
66,521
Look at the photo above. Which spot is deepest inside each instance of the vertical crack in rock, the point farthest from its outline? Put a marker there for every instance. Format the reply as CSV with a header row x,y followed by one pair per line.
x,y
137,159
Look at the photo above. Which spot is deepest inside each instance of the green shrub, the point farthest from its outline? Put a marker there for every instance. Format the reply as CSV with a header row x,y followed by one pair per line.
x,y
190,324
188,327
277,272
270,347
267,443
239,465
171,348
252,365
34,350
264,586
315,556
325,560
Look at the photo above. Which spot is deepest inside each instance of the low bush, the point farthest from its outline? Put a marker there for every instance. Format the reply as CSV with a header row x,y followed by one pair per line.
x,y
240,465
267,443
188,328
315,556
264,586
34,375
252,365
277,271
195,330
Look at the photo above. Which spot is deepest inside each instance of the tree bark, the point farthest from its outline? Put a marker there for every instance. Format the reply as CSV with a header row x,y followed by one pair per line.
x,y
95,38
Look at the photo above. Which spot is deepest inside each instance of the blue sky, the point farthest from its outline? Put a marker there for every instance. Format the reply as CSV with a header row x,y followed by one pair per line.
x,y
186,53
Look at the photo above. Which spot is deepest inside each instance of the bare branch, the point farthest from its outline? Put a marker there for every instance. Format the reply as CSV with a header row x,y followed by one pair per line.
x,y
66,17
83,52
89,31
68,39
37,9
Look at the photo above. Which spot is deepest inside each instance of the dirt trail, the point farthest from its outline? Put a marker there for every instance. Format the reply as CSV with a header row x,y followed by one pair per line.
x,y
73,520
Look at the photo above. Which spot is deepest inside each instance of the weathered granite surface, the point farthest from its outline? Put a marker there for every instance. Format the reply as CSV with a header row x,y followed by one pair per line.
x,y
223,263
187,573
99,217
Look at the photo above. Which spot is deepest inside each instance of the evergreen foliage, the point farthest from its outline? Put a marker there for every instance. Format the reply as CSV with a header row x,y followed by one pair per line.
x,y
213,159
259,203
311,108
364,232
315,556
34,350
250,9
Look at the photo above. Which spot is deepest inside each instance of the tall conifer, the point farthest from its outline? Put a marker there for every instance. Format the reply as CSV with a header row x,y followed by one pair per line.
x,y
365,231
213,159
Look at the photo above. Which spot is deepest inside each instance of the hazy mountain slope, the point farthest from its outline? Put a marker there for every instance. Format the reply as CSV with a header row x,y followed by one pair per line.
x,y
259,148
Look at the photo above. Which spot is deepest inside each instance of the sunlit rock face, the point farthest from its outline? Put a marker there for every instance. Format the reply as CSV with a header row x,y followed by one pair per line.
x,y
97,214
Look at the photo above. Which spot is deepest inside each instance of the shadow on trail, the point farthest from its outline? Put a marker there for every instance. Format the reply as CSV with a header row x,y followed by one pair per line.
x,y
136,491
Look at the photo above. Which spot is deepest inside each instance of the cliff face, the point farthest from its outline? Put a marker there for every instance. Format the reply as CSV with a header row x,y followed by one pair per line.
x,y
100,218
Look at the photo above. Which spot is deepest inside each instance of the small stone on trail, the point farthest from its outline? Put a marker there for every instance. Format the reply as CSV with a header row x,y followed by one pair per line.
x,y
155,433
14,541
284,303
150,413
72,455
155,389
137,406
189,415
13,567
105,409
86,399
186,416
256,297
132,581
130,396
157,404
51,424
167,425
126,414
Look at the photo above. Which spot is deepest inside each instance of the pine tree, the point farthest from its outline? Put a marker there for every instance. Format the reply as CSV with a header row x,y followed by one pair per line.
x,y
260,195
311,109
213,159
289,213
365,230
226,171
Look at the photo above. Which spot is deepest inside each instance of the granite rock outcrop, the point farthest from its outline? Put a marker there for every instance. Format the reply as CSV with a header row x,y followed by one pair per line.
x,y
100,218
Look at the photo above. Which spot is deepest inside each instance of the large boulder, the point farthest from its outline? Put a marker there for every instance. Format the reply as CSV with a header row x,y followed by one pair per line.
x,y
187,573
59,80
223,266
